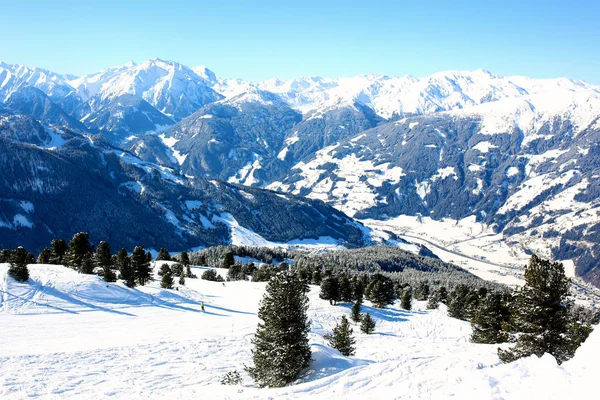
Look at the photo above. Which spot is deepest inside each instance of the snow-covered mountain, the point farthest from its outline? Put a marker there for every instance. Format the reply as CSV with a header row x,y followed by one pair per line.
x,y
172,88
519,154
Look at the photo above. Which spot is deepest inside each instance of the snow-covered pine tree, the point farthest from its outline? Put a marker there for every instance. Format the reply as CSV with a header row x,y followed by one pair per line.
x,y
79,249
542,313
406,300
281,350
104,261
342,338
87,264
18,264
355,312
163,255
330,289
141,265
488,320
367,324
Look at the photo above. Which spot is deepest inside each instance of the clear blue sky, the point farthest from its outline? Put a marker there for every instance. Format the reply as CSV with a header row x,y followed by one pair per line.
x,y
263,39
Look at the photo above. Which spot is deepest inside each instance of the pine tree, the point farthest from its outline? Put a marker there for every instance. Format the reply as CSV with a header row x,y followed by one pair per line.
x,y
141,266
367,324
342,338
123,264
433,302
345,290
182,279
18,265
406,300
104,261
330,289
235,273
228,260
58,249
87,264
163,255
185,259
422,291
380,290
167,278
488,321
542,313
316,277
44,256
281,350
456,302
164,269
355,312
5,255
79,248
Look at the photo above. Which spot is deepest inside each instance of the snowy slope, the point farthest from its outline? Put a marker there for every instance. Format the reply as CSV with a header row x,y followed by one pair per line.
x,y
67,335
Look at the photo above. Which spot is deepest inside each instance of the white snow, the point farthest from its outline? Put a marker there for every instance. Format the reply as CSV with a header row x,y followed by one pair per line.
x,y
484,147
69,335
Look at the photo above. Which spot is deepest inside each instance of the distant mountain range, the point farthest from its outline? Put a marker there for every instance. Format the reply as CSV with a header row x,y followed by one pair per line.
x,y
521,154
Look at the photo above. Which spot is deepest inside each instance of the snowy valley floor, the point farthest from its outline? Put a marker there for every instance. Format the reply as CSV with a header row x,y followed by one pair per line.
x,y
66,335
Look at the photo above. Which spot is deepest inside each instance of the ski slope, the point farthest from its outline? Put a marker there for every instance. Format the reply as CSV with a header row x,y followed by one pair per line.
x,y
66,335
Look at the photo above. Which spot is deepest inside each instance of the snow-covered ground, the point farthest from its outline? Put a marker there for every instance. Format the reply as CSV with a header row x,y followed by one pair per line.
x,y
66,335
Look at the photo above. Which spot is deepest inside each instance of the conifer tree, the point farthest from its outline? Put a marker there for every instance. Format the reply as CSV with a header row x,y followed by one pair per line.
x,y
330,289
126,272
79,249
406,300
141,266
355,312
5,255
542,313
166,281
182,279
104,261
316,277
18,265
87,264
380,290
163,255
185,259
44,256
235,273
488,321
345,290
228,260
422,291
164,269
367,324
342,338
281,350
58,249
433,302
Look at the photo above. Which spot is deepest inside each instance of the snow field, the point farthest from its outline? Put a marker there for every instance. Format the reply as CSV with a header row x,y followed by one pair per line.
x,y
67,335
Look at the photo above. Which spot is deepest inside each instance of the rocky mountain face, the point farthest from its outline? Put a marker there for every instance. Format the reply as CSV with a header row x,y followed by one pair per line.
x,y
520,154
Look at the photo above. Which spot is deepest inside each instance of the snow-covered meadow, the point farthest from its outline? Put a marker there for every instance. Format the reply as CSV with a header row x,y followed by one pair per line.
x,y
68,335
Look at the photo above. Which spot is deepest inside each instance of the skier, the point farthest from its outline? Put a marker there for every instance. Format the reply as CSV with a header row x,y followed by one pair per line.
x,y
202,306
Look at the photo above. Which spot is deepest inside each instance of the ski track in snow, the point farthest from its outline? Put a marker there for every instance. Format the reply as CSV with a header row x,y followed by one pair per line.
x,y
66,335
